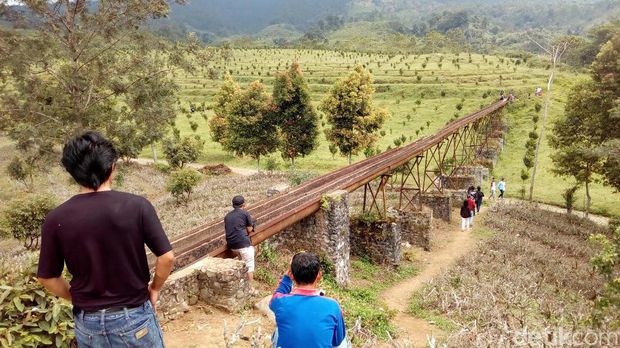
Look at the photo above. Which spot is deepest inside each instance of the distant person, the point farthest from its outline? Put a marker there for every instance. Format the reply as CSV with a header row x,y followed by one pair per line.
x,y
304,317
471,204
100,235
238,224
465,215
493,187
471,192
502,188
479,197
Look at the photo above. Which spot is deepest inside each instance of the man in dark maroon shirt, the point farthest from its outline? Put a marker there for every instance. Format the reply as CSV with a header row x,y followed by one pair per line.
x,y
100,235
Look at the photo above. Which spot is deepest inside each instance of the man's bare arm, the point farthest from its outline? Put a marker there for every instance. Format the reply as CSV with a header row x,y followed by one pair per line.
x,y
57,286
163,267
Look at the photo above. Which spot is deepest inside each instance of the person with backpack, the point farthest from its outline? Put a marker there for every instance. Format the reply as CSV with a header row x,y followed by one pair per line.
x,y
471,204
465,215
479,196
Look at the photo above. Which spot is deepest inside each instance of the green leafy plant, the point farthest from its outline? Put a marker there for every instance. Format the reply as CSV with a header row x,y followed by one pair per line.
x,y
180,151
24,218
182,182
29,317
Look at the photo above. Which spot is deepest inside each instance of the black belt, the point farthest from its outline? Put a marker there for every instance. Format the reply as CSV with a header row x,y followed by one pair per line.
x,y
77,310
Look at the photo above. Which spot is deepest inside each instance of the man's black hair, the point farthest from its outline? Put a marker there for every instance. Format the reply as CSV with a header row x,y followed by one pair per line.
x,y
305,268
89,158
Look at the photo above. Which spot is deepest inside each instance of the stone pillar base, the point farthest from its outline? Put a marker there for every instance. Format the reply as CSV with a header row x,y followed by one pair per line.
x,y
377,240
416,227
459,182
440,204
221,283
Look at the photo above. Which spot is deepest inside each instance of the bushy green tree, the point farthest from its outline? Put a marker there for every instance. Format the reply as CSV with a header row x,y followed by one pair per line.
x,y
24,218
90,67
350,112
218,124
180,151
181,183
251,129
577,136
296,117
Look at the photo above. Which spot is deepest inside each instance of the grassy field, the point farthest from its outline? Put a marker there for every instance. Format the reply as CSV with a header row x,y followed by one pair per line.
x,y
410,88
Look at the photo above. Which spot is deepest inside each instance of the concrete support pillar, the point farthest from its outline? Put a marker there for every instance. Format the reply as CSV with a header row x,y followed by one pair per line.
x,y
334,231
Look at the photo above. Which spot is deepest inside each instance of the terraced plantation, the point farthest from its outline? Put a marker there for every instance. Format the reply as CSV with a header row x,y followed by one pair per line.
x,y
421,92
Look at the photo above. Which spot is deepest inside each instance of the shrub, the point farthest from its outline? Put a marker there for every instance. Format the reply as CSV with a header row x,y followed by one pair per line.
x,y
180,151
271,164
296,178
182,182
570,198
24,218
29,317
20,171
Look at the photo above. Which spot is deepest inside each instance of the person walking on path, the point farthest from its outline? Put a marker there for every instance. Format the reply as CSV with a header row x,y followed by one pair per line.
x,y
492,189
465,215
479,197
471,204
99,234
502,188
238,225
304,317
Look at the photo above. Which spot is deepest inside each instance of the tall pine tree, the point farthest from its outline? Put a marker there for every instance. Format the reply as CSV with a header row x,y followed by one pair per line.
x,y
350,112
294,114
250,128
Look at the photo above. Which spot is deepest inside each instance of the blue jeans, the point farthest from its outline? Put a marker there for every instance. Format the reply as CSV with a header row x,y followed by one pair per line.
x,y
134,327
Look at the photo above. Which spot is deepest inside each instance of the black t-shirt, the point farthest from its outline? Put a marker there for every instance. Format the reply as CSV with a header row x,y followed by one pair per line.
x,y
236,223
101,238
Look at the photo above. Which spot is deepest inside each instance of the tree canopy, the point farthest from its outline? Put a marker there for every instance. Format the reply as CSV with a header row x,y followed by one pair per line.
x,y
296,118
91,67
350,112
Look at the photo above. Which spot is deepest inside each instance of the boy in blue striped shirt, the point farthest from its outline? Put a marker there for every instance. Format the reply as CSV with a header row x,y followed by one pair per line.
x,y
304,317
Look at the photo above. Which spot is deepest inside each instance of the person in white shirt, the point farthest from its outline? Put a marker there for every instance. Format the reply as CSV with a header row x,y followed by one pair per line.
x,y
492,189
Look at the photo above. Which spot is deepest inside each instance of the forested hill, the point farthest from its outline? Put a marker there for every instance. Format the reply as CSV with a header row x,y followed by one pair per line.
x,y
223,18
226,17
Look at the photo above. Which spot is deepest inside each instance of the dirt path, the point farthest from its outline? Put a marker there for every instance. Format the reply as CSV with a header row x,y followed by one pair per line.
x,y
450,248
240,171
599,219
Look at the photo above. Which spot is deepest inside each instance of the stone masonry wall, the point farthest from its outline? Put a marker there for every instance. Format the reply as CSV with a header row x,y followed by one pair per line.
x,y
479,173
416,227
457,197
440,204
325,233
219,282
457,182
377,240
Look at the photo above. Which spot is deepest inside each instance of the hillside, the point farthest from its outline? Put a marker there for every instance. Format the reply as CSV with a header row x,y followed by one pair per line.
x,y
410,88
482,22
